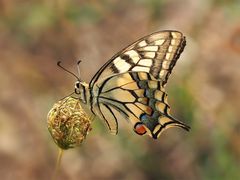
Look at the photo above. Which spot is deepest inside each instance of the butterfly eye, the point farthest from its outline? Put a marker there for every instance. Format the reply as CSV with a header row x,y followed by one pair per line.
x,y
77,88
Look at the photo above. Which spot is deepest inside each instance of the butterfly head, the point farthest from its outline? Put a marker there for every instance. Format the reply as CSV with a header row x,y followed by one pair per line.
x,y
81,90
78,87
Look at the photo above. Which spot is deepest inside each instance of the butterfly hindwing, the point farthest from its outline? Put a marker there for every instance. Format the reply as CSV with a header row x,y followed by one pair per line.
x,y
138,97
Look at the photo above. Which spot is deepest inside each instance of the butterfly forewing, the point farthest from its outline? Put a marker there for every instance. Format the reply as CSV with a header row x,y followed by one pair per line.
x,y
155,54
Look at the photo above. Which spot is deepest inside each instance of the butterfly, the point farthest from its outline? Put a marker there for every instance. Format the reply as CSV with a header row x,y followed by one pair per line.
x,y
131,85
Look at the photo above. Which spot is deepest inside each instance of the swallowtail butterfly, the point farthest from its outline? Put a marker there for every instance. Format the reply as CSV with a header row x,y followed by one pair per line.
x,y
131,85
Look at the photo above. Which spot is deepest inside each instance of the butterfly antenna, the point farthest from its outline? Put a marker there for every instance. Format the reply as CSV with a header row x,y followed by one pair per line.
x,y
59,64
78,68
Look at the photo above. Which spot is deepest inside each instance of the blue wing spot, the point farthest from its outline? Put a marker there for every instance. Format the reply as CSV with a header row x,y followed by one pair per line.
x,y
144,117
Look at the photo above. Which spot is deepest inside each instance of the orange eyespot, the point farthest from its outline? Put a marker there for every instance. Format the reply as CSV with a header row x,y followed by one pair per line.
x,y
140,129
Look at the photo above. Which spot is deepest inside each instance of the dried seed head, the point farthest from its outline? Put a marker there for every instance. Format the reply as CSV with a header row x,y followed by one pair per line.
x,y
67,123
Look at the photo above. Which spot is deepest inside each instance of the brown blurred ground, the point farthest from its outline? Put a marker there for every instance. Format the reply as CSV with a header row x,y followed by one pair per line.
x,y
204,88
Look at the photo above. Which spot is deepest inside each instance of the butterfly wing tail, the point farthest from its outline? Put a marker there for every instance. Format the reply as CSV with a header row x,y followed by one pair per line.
x,y
166,122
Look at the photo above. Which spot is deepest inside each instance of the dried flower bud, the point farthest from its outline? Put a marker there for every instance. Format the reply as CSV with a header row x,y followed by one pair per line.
x,y
68,124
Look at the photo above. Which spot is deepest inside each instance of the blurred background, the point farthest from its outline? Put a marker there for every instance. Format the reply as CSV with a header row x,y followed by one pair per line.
x,y
203,90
